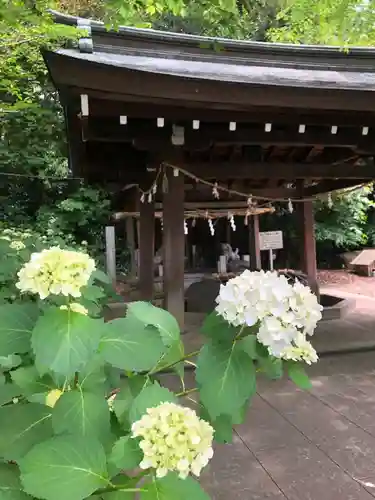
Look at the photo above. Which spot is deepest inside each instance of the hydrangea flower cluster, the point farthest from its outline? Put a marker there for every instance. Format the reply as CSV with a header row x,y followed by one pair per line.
x,y
56,271
17,245
284,313
174,439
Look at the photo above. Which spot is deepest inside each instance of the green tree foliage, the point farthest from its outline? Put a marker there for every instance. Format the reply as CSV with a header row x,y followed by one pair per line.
x,y
342,221
334,22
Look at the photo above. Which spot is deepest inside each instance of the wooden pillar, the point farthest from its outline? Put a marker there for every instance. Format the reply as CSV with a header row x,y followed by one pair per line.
x,y
130,241
110,252
308,250
174,246
254,243
146,250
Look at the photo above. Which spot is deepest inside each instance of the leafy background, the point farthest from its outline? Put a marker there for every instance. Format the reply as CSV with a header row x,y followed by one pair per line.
x,y
37,191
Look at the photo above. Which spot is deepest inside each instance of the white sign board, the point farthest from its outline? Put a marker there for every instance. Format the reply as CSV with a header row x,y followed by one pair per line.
x,y
271,240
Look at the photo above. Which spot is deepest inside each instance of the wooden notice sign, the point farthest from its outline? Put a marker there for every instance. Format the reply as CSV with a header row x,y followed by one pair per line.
x,y
271,240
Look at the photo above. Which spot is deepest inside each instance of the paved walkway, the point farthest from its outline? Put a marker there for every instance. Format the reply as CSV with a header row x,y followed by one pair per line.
x,y
316,445
295,445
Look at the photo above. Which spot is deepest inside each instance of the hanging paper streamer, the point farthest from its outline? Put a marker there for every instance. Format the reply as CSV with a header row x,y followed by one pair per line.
x,y
247,218
186,229
215,191
290,206
232,223
211,226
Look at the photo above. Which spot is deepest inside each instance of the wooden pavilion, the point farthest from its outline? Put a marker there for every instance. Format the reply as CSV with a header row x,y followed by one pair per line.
x,y
275,122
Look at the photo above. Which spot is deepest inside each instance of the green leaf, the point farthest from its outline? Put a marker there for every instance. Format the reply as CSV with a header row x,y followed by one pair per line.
x,y
16,324
8,392
27,378
92,376
82,413
26,425
124,399
161,319
222,425
92,292
130,345
226,376
64,467
175,352
126,453
101,277
124,481
271,366
151,396
249,345
11,361
171,487
297,374
10,484
64,341
217,328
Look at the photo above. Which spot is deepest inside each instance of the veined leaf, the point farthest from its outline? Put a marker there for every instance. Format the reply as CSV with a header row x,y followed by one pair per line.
x,y
298,375
10,484
124,399
16,324
9,362
8,392
217,328
161,319
126,453
171,487
26,425
83,413
151,396
174,353
30,382
130,345
64,467
226,376
64,341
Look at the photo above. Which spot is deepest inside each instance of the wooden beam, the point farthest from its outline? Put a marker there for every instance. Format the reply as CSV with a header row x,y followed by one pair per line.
x,y
288,171
103,107
330,185
146,250
146,132
308,247
174,247
130,241
254,243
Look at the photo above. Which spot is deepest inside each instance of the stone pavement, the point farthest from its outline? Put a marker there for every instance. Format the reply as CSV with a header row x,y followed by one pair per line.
x,y
316,445
296,445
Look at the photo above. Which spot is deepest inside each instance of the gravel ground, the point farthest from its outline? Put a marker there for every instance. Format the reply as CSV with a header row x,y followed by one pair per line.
x,y
348,282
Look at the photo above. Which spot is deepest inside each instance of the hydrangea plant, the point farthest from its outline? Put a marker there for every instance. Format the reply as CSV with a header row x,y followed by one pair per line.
x,y
83,409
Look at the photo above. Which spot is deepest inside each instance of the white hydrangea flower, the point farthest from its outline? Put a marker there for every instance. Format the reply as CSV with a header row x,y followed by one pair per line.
x,y
282,311
17,245
301,350
174,439
75,307
56,271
